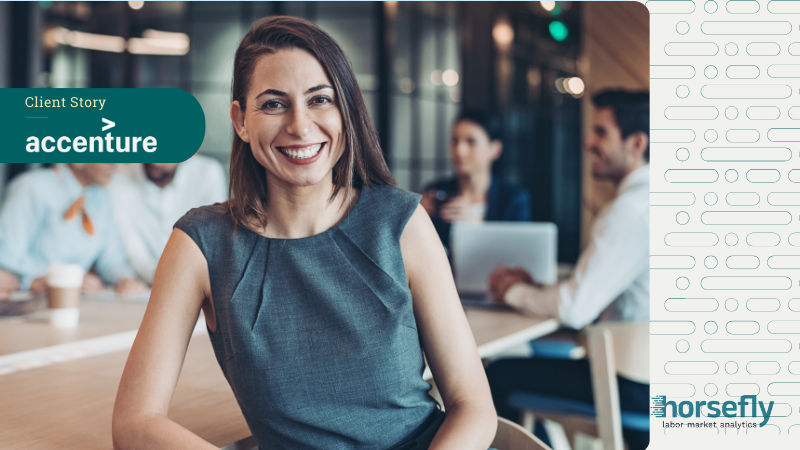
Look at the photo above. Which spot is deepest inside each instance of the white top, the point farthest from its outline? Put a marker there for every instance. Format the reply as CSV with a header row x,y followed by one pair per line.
x,y
612,277
145,213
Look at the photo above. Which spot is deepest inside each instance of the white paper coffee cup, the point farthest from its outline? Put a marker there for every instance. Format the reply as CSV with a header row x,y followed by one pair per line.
x,y
64,283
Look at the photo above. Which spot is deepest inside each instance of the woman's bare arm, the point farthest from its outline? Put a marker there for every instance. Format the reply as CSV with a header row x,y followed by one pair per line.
x,y
447,339
180,287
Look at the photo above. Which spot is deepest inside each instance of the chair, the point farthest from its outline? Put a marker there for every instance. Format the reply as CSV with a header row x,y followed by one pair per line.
x,y
614,348
511,436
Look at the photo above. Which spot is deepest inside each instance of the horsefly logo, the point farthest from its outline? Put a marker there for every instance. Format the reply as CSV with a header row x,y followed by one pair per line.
x,y
747,406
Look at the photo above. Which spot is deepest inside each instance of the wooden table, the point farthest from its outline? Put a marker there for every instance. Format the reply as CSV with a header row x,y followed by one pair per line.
x,y
98,318
499,330
105,326
68,404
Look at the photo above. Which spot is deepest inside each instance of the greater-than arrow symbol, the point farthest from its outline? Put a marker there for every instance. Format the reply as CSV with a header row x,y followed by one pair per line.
x,y
109,123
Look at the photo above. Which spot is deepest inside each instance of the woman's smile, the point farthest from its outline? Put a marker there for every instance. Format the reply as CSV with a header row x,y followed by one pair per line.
x,y
302,154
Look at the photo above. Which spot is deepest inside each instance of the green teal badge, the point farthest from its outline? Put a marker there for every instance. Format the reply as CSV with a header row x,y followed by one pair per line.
x,y
100,125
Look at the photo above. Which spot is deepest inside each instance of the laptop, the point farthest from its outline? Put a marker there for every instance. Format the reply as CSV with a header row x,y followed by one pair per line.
x,y
477,249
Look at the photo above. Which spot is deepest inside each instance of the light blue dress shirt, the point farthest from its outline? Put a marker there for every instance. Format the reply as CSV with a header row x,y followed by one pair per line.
x,y
34,233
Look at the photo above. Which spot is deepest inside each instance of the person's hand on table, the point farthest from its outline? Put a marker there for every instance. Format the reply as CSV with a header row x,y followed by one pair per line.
x,y
39,285
131,287
502,278
92,283
8,284
459,209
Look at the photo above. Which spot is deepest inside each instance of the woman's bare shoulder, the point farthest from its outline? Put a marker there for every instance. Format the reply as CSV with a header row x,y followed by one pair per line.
x,y
422,250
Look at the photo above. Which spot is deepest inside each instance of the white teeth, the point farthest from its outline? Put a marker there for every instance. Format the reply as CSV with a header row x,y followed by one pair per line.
x,y
304,153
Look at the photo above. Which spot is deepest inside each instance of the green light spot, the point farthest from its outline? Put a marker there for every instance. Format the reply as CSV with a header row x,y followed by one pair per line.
x,y
45,5
558,30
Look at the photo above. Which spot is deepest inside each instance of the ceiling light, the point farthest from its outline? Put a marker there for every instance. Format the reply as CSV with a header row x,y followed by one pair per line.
x,y
503,33
575,85
154,42
89,41
450,77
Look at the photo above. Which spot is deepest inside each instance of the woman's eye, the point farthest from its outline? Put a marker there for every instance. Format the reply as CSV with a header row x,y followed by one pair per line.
x,y
272,105
321,100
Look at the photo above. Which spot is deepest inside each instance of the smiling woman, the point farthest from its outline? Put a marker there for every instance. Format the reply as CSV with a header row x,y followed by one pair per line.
x,y
324,108
295,126
320,281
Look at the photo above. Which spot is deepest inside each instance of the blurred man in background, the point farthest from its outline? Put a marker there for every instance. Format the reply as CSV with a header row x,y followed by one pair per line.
x,y
611,280
62,214
150,198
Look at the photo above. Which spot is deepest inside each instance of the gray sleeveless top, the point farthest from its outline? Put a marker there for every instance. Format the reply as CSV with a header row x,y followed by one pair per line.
x,y
317,335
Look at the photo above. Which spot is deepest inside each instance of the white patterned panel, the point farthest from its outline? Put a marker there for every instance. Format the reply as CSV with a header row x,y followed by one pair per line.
x,y
725,210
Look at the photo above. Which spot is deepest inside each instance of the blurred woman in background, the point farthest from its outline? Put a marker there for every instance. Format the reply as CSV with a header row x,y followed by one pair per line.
x,y
474,195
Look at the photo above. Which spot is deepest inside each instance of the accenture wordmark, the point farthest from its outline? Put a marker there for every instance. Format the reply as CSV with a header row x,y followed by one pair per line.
x,y
99,144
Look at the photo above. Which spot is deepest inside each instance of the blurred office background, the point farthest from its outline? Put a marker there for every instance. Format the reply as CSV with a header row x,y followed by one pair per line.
x,y
418,64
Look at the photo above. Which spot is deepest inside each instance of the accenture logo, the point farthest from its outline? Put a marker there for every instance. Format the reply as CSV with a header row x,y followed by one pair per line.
x,y
747,406
99,144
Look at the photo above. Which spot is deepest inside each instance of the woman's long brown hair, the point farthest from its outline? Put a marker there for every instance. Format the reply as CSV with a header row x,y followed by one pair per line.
x,y
361,164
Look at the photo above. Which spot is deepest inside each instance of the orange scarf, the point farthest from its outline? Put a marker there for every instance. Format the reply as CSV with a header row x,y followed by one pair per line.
x,y
76,208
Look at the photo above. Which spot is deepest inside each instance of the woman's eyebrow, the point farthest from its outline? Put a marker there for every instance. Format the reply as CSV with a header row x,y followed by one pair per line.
x,y
273,92
318,87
